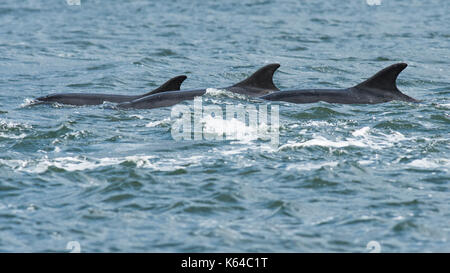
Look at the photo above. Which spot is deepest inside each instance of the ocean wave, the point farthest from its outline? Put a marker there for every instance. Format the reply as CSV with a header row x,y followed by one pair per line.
x,y
13,130
310,166
430,163
6,125
21,136
158,122
361,138
81,163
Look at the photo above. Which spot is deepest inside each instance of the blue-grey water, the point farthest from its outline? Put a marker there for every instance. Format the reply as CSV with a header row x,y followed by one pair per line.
x,y
117,181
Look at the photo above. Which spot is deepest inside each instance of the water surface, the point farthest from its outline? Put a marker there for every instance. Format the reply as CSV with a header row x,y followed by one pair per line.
x,y
116,181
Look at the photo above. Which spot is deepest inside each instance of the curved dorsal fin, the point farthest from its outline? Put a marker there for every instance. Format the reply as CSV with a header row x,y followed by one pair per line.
x,y
170,85
385,79
263,78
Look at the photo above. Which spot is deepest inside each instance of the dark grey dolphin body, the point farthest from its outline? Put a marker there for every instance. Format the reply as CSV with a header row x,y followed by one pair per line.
x,y
95,99
259,83
379,88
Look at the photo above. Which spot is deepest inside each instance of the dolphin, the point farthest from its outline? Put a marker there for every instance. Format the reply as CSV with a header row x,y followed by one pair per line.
x,y
95,99
258,84
380,88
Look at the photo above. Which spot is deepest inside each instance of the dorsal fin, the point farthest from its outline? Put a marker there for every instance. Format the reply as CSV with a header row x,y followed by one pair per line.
x,y
263,78
384,80
170,85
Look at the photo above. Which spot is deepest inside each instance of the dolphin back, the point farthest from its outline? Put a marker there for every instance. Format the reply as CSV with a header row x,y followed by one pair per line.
x,y
173,84
384,83
96,99
259,83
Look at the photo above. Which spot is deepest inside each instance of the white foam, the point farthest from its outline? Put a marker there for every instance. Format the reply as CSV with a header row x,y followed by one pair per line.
x,y
28,102
76,134
323,142
21,136
323,123
213,92
81,163
317,123
361,132
360,138
428,163
157,123
445,105
137,116
7,124
365,162
310,166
